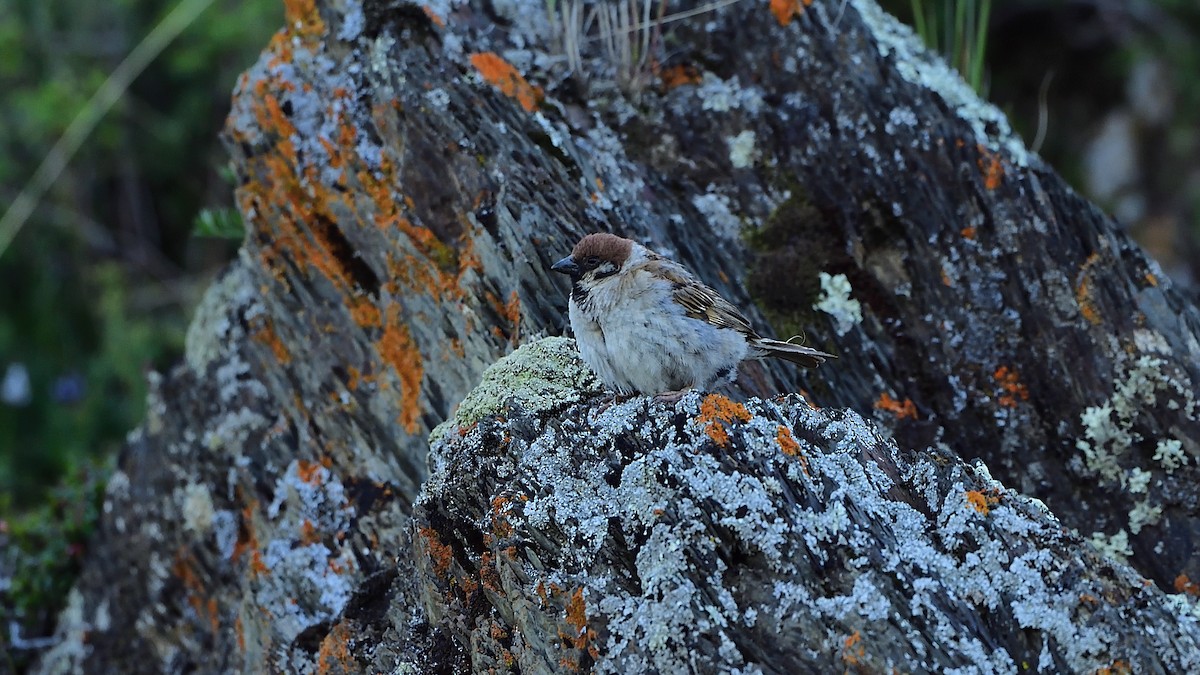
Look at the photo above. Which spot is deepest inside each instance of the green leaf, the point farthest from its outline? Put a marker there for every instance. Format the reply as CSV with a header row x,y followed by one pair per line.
x,y
219,224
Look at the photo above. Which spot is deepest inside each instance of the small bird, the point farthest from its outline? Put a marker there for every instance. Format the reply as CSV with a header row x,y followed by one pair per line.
x,y
645,325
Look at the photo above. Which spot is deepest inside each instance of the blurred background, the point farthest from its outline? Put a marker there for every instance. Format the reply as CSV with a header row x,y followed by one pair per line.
x,y
97,287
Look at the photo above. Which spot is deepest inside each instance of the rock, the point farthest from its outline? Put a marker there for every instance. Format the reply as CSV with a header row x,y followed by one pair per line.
x,y
764,537
407,174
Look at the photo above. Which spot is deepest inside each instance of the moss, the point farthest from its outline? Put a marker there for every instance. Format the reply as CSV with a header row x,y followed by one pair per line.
x,y
790,249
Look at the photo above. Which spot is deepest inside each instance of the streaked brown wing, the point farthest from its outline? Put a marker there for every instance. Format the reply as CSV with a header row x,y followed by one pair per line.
x,y
698,301
701,302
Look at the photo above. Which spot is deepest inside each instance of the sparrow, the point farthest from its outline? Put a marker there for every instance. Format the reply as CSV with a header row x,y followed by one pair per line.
x,y
646,325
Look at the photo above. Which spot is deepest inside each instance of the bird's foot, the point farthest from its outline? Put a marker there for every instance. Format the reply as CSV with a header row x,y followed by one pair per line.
x,y
670,397
609,401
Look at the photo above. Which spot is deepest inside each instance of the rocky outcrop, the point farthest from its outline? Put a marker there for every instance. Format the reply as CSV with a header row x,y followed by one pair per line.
x,y
770,536
407,173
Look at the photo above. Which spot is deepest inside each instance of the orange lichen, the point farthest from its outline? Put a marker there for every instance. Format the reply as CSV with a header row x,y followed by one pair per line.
x,y
308,533
1151,279
676,76
946,278
1083,291
853,649
783,436
248,541
303,18
576,611
257,566
433,16
1011,387
583,637
214,615
1185,585
308,472
441,554
983,501
365,313
468,586
902,410
265,334
334,655
239,631
1118,667
488,576
397,349
510,312
786,10
968,232
786,443
501,527
502,75
715,412
184,569
306,211
993,170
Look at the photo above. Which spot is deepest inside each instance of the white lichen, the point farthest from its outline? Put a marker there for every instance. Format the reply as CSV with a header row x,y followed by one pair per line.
x,y
717,211
917,65
1143,514
197,506
835,301
1115,546
1169,453
742,150
1110,432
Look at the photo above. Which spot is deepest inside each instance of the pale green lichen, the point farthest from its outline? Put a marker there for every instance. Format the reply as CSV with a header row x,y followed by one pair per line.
x,y
1114,546
1169,453
208,333
197,507
835,301
741,149
1143,514
1110,434
539,376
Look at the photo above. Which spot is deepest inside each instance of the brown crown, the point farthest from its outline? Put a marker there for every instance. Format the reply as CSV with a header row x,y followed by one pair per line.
x,y
604,246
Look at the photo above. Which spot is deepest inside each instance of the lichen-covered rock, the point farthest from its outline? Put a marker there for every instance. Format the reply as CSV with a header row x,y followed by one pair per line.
x,y
714,536
407,172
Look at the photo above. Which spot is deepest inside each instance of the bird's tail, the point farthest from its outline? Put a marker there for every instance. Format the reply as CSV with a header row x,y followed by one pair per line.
x,y
804,356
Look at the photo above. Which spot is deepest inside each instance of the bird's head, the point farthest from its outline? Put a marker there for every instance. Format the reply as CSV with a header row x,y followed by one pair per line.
x,y
595,257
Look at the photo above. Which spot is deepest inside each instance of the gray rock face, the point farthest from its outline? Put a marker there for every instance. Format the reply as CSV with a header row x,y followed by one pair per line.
x,y
764,537
407,174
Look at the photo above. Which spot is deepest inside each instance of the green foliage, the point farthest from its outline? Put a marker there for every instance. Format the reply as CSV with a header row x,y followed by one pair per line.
x,y
42,553
219,224
86,353
118,218
956,29
98,285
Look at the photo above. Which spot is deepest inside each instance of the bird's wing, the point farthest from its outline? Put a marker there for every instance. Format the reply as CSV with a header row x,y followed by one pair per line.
x,y
699,301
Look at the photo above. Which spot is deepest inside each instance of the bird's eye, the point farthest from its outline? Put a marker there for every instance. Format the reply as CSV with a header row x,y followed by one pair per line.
x,y
592,261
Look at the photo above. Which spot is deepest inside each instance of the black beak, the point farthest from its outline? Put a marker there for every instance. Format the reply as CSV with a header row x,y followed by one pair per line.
x,y
566,266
